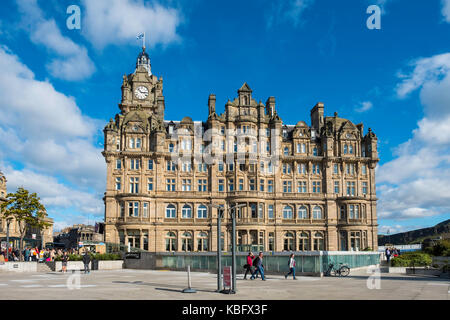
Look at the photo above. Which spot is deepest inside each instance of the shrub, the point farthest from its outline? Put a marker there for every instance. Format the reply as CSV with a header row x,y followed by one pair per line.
x,y
409,259
441,248
106,256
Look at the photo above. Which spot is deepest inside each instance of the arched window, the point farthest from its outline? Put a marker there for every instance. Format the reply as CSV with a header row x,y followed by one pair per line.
x,y
318,241
302,213
186,241
171,211
289,240
317,212
287,213
186,212
202,241
202,212
303,244
171,241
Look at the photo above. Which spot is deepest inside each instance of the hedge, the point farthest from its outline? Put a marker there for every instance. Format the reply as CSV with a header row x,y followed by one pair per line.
x,y
96,256
410,259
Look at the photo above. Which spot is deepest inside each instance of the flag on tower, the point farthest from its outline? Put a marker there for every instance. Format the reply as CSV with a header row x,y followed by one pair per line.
x,y
140,36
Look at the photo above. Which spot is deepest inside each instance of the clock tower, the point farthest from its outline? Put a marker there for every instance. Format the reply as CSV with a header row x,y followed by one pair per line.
x,y
142,90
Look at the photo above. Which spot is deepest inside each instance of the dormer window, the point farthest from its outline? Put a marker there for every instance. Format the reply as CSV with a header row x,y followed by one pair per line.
x,y
284,133
170,129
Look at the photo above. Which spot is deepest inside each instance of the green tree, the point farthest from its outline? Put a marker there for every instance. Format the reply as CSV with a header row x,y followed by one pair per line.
x,y
27,210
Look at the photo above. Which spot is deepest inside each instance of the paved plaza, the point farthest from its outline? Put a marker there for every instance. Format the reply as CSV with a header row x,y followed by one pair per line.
x,y
153,285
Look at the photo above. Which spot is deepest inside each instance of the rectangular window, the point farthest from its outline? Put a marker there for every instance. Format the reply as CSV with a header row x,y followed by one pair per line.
x,y
251,184
150,164
286,168
133,209
221,185
186,185
270,167
241,184
118,183
171,166
231,185
287,186
118,164
170,184
145,210
261,185
336,187
261,211
316,169
301,168
364,187
150,184
301,186
220,167
186,167
270,211
134,185
364,169
269,185
350,188
135,164
231,167
201,167
316,186
202,186
335,168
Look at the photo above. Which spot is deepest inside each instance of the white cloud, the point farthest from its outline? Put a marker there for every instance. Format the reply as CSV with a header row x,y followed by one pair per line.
x,y
71,61
415,183
53,193
446,10
290,11
364,106
120,21
46,132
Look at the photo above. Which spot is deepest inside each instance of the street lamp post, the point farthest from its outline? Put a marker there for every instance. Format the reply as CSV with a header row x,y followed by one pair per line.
x,y
233,245
8,222
219,248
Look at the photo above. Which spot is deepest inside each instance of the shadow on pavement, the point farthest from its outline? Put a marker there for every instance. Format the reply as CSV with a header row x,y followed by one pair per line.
x,y
176,288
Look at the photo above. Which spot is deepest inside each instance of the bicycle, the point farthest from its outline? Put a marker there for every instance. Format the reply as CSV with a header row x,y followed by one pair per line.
x,y
342,271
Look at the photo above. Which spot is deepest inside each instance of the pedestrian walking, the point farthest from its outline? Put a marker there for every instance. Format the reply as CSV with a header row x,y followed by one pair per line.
x,y
259,267
291,265
86,261
388,255
64,260
27,254
248,266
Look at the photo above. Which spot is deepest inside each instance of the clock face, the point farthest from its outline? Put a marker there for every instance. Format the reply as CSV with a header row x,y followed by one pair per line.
x,y
141,92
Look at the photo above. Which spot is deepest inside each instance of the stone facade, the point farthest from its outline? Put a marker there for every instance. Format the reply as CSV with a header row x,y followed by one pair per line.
x,y
304,187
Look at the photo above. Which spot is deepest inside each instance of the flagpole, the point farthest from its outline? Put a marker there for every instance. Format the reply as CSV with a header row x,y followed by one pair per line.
x,y
143,44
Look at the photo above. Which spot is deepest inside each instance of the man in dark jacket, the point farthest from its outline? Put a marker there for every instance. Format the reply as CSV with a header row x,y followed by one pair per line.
x,y
259,267
86,261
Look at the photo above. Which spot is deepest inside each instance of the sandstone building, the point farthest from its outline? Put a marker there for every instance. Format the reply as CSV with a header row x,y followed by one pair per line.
x,y
305,187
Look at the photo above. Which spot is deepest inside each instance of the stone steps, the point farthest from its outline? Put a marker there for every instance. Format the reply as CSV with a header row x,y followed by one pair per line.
x,y
43,267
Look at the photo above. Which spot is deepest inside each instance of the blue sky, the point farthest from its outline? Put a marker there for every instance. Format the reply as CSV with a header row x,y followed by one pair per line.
x,y
59,87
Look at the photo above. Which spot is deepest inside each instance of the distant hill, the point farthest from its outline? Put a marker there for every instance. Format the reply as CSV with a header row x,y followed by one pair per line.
x,y
417,236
